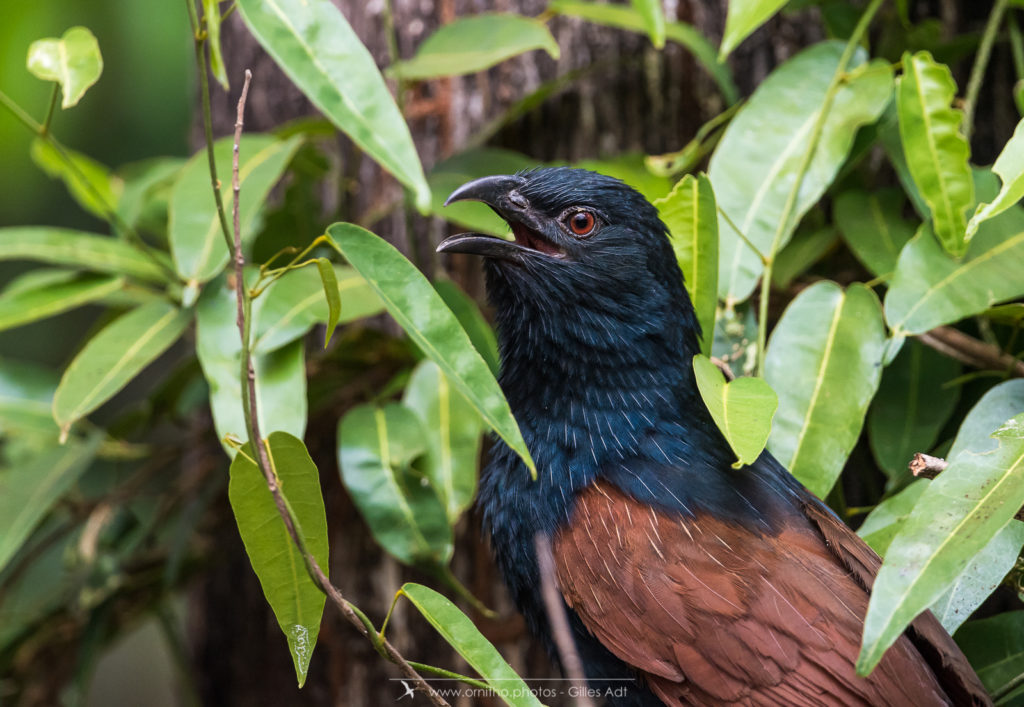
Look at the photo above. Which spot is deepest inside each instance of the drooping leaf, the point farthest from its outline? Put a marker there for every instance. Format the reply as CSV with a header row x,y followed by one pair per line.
x,y
753,169
316,47
653,17
111,358
690,213
297,602
419,310
28,491
74,61
452,433
376,451
330,282
474,43
888,517
90,183
892,143
935,149
472,320
742,18
836,340
1010,168
911,407
448,175
460,633
742,409
873,226
197,242
808,246
995,648
211,18
33,304
90,251
959,513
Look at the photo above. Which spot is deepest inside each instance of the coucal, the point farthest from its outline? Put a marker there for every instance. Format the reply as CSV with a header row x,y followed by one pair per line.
x,y
705,584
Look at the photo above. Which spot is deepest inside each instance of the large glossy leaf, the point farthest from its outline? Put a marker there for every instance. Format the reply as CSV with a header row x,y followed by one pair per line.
x,y
472,320
280,373
690,213
452,433
419,310
450,174
653,17
911,407
627,18
835,339
959,513
474,43
935,149
195,233
297,602
742,409
1010,168
26,397
466,639
754,168
995,647
33,304
74,61
28,491
315,46
743,17
114,356
873,226
930,288
89,182
376,451
90,251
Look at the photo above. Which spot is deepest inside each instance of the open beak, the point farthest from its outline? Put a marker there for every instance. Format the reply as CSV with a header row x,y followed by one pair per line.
x,y
500,192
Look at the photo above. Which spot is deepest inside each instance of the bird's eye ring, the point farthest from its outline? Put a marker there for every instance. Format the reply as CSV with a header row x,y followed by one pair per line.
x,y
581,222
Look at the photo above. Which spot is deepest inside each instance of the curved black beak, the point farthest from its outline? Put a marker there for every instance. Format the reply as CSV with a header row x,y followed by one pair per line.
x,y
493,191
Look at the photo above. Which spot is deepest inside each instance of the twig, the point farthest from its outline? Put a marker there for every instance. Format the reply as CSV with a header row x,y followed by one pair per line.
x,y
554,606
925,466
980,64
966,349
256,440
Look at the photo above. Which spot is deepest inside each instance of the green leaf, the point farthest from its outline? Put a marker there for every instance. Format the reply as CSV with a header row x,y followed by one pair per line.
x,y
742,18
935,149
691,216
194,226
1010,314
450,174
995,648
146,187
280,373
956,517
474,43
888,517
297,602
460,633
472,320
631,168
998,404
211,18
28,491
892,143
809,245
873,226
452,433
911,407
74,61
742,409
653,18
330,282
835,340
111,358
315,46
376,451
754,166
26,397
39,303
62,246
290,306
419,310
90,183
1010,168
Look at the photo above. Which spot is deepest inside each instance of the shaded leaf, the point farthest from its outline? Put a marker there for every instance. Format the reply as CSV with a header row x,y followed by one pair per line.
x,y
472,320
1011,314
995,648
90,183
29,305
742,18
1010,168
418,309
631,168
211,18
691,216
146,187
330,282
476,42
460,633
809,245
74,61
26,397
998,404
935,149
736,339
836,340
315,46
115,355
450,174
653,18
376,451
62,246
742,409
873,226
297,602
888,517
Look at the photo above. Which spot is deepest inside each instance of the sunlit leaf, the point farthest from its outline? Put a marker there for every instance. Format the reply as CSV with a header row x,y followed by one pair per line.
x,y
74,61
743,17
90,251
873,226
297,602
39,303
630,167
1010,168
472,320
742,409
89,182
330,282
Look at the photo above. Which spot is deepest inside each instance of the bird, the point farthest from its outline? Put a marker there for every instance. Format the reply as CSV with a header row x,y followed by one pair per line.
x,y
685,581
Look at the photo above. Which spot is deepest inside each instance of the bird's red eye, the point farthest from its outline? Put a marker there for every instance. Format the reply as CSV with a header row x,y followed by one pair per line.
x,y
582,223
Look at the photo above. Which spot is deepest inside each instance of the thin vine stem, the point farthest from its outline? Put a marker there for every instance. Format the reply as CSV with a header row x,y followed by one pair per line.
x,y
988,38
